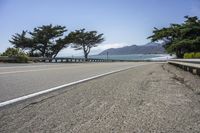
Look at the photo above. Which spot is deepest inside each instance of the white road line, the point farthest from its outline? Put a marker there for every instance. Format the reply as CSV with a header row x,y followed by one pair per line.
x,y
42,69
11,67
12,101
13,72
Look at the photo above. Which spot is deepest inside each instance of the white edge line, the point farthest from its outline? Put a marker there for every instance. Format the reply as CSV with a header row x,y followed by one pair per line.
x,y
43,69
2,104
29,66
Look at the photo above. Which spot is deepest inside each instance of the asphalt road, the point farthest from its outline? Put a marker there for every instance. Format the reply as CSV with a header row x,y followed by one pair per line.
x,y
156,98
17,80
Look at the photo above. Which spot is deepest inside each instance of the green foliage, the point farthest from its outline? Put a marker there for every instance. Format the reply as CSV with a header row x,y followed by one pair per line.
x,y
48,40
10,52
192,55
180,38
22,59
20,56
21,41
85,40
45,41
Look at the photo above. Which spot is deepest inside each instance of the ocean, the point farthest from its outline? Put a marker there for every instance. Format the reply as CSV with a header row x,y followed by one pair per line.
x,y
131,57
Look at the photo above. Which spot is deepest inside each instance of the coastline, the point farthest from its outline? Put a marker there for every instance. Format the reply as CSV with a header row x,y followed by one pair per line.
x,y
129,57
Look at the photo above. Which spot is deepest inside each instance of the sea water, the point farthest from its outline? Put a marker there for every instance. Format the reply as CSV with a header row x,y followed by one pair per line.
x,y
130,57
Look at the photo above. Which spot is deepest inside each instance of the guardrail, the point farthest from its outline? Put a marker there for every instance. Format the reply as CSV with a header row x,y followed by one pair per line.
x,y
41,59
72,60
191,65
197,61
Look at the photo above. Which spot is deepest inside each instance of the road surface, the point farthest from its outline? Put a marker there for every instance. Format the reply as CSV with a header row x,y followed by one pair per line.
x,y
17,80
151,98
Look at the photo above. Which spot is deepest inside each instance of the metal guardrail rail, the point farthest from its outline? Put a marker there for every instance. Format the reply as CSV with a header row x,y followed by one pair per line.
x,y
191,65
197,61
72,60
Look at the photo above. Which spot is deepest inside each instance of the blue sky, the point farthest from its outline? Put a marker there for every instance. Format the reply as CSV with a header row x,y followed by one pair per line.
x,y
123,22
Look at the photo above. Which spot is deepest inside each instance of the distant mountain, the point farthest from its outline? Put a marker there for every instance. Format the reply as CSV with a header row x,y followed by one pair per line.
x,y
149,48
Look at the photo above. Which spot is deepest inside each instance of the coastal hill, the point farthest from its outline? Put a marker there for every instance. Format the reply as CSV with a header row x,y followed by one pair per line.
x,y
149,48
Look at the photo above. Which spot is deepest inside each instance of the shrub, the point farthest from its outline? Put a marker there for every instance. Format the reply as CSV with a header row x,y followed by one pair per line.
x,y
192,55
21,57
10,52
188,55
197,55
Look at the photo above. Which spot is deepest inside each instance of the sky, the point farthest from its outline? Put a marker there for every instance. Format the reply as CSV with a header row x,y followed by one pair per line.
x,y
123,22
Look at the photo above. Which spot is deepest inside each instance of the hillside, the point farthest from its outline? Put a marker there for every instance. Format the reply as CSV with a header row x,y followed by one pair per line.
x,y
149,48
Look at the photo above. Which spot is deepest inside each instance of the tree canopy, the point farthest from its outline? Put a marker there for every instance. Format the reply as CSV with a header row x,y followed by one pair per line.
x,y
180,38
85,40
45,41
49,40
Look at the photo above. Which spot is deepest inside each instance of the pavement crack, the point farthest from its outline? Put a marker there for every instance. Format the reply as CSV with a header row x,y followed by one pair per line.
x,y
144,85
36,102
179,79
151,73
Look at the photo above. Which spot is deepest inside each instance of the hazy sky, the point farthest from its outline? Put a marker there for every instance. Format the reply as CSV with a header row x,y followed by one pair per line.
x,y
123,22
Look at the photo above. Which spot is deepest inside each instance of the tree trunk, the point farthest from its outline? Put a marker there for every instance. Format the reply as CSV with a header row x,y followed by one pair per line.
x,y
85,53
54,56
179,54
86,56
44,50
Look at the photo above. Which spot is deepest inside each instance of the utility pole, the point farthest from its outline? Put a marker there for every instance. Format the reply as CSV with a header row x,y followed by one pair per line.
x,y
107,55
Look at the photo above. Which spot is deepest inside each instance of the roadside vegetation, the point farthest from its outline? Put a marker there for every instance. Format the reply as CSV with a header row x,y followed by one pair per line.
x,y
180,39
192,55
49,40
18,54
